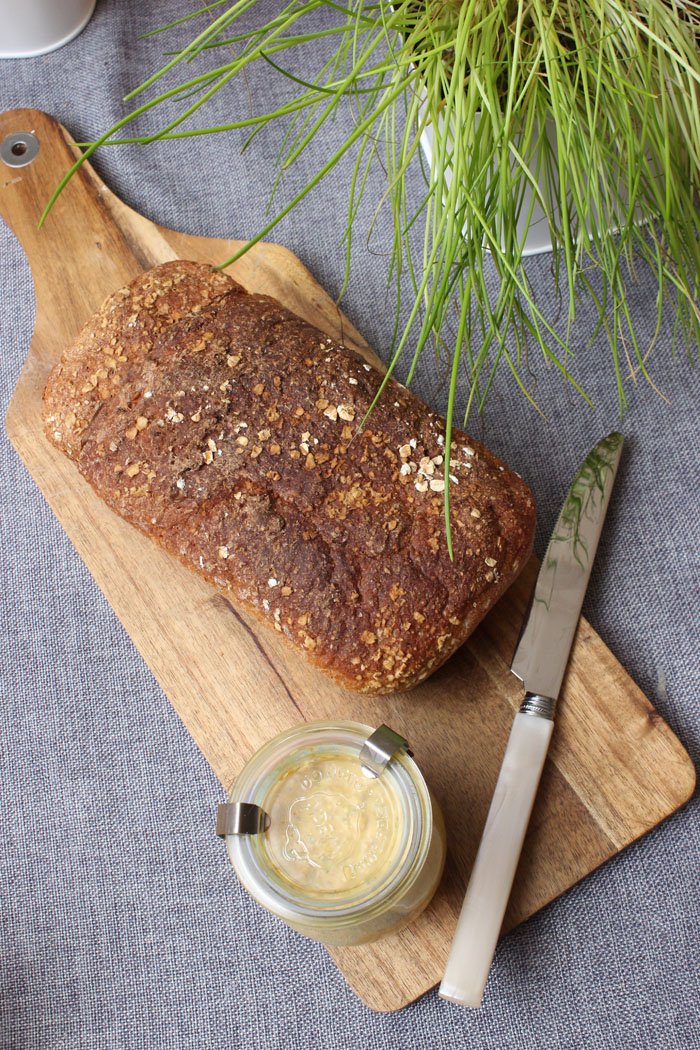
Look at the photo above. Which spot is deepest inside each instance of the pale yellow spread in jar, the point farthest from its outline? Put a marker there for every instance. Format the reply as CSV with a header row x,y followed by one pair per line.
x,y
332,829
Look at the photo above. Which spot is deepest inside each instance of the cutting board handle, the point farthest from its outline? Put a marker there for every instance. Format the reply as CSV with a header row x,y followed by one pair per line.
x,y
92,243
62,268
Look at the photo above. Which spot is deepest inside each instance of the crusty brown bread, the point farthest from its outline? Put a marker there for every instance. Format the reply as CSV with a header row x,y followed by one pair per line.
x,y
227,429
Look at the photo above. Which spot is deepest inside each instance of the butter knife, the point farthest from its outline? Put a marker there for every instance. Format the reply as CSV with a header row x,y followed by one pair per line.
x,y
540,662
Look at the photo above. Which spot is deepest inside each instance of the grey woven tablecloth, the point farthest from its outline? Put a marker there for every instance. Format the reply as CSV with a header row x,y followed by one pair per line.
x,y
113,934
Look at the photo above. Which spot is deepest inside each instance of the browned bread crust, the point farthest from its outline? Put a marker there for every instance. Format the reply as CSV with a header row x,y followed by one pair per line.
x,y
227,428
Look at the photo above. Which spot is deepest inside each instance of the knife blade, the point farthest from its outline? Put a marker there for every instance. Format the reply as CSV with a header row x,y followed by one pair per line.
x,y
540,663
543,650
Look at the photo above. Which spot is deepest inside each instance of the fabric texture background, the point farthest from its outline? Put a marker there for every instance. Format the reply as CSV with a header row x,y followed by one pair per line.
x,y
121,922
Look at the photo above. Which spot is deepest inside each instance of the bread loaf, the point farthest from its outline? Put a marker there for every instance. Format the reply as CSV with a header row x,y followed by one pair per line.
x,y
228,429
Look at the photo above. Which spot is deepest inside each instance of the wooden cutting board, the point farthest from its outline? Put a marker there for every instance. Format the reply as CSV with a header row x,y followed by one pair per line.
x,y
615,768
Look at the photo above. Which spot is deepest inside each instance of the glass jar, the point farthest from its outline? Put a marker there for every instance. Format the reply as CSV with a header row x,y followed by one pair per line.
x,y
342,841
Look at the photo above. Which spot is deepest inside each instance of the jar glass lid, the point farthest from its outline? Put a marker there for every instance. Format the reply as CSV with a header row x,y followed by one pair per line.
x,y
334,839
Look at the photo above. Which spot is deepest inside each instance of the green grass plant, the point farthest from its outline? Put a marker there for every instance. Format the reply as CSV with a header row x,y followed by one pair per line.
x,y
589,107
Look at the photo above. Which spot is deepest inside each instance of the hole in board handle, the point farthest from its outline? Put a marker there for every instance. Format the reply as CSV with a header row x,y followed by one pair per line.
x,y
19,148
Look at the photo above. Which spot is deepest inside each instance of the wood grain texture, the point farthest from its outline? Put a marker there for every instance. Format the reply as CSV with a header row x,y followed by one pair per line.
x,y
615,768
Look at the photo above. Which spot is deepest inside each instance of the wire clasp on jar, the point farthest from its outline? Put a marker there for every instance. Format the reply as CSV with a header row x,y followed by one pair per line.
x,y
240,818
379,749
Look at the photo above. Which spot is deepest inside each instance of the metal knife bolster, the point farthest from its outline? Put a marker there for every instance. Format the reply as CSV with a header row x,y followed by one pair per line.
x,y
539,706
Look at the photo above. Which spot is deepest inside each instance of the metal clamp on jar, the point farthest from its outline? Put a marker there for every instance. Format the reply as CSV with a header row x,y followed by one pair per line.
x,y
332,828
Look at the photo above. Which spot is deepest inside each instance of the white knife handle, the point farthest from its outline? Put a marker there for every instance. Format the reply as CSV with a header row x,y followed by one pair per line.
x,y
491,880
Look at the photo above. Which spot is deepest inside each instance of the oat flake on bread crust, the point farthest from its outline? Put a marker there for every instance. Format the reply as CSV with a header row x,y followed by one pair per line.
x,y
227,429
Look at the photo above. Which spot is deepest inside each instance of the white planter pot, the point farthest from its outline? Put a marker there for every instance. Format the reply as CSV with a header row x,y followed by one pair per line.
x,y
537,240
33,27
